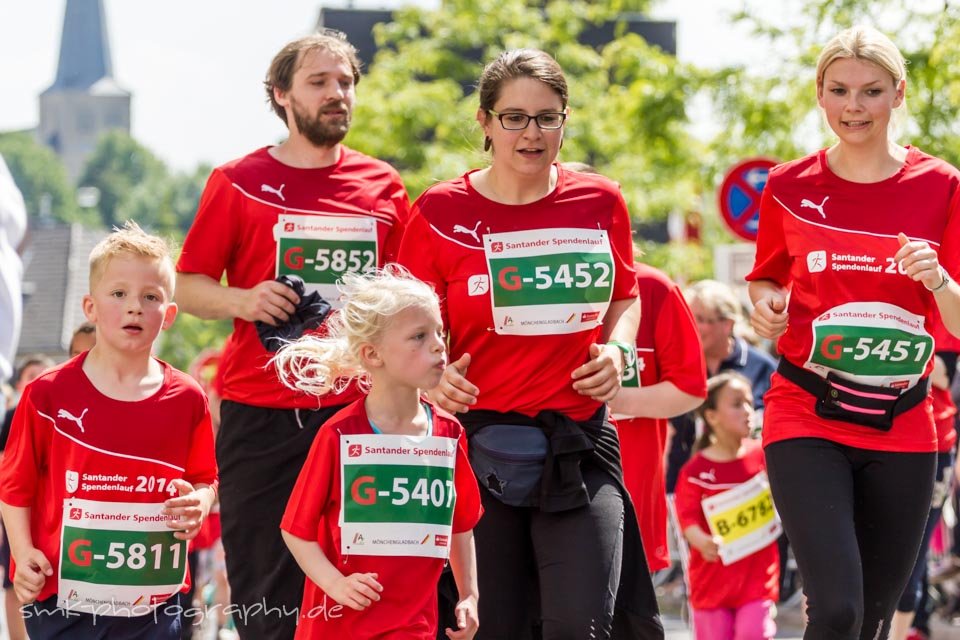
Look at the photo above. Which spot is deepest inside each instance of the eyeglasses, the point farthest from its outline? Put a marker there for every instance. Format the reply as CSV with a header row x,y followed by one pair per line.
x,y
519,121
708,321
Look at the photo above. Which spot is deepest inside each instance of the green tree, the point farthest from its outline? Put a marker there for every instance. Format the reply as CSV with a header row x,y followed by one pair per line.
x,y
41,177
166,203
118,165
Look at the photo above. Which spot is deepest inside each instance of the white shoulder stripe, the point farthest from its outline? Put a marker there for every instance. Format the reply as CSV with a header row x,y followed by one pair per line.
x,y
454,240
109,453
371,214
713,485
864,233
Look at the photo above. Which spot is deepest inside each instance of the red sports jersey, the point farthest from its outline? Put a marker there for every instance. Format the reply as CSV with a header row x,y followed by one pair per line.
x,y
69,441
516,283
944,414
408,604
668,350
851,309
713,585
259,218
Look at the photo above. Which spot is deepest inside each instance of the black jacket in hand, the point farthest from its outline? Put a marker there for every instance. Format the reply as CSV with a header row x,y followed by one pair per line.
x,y
311,311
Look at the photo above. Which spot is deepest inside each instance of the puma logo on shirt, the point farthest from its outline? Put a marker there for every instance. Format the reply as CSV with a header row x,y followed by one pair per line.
x,y
459,228
708,475
265,188
811,205
63,413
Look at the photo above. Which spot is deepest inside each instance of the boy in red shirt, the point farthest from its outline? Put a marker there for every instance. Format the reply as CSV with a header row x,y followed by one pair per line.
x,y
110,469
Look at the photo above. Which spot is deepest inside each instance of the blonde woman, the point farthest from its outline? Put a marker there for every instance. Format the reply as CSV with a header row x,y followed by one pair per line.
x,y
864,237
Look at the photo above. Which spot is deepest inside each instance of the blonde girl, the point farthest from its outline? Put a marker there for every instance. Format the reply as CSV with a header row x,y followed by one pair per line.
x,y
386,492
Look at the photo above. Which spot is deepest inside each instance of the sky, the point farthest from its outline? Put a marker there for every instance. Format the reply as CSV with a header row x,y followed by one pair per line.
x,y
195,67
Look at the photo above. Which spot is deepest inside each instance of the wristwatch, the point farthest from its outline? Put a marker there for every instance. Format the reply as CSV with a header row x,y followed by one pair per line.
x,y
943,283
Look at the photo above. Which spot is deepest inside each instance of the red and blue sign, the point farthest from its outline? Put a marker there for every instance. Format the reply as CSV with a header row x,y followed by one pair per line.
x,y
740,196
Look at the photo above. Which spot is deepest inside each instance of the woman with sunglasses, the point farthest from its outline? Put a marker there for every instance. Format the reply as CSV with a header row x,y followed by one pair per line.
x,y
533,264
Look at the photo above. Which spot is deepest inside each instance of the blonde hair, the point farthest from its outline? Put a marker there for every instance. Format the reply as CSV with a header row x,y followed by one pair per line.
x,y
318,365
869,45
715,385
132,240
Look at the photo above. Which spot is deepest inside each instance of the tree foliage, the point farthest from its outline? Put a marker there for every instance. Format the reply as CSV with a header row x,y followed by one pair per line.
x,y
119,164
41,178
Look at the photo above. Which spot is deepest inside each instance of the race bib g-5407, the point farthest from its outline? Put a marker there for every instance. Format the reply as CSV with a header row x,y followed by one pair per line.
x,y
872,343
744,518
398,495
118,558
320,249
549,281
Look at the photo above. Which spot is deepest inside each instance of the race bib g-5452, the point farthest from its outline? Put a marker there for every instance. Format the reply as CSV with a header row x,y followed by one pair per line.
x,y
549,281
744,518
873,343
398,495
320,249
118,558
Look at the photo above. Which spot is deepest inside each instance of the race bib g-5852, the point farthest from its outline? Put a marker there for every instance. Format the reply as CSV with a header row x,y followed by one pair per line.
x,y
871,342
397,496
743,517
320,249
118,558
549,281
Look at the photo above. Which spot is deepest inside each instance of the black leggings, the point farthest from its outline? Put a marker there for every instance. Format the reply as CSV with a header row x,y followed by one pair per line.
x,y
855,519
565,565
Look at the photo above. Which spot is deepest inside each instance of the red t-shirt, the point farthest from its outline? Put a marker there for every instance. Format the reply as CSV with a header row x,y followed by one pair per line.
x,y
833,242
445,246
944,412
713,585
408,605
249,203
115,451
668,349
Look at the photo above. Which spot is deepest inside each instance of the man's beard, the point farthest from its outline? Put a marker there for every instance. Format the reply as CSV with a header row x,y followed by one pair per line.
x,y
318,132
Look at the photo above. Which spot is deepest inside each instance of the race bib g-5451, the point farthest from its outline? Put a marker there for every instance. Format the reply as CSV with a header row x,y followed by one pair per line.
x,y
873,343
398,495
549,281
744,518
320,249
117,558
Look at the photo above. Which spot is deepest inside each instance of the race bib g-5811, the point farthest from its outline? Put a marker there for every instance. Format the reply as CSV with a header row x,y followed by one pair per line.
x,y
118,558
871,342
744,518
397,496
320,249
549,281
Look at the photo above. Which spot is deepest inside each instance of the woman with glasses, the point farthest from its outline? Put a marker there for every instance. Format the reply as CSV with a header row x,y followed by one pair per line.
x,y
533,264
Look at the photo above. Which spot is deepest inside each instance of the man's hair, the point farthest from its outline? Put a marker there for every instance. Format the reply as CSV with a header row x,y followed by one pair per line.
x,y
131,240
288,60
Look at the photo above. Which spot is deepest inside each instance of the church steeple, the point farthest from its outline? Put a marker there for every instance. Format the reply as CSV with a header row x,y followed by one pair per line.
x,y
84,101
84,46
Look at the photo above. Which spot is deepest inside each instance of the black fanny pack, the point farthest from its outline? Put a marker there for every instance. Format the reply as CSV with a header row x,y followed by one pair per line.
x,y
863,404
508,461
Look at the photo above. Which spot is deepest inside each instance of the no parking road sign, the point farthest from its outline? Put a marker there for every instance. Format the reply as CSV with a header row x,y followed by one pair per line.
x,y
740,196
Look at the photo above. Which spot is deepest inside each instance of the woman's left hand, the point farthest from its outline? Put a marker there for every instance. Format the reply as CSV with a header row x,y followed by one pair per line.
x,y
919,262
600,377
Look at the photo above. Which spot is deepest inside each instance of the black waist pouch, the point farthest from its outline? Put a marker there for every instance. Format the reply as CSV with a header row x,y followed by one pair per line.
x,y
863,404
508,461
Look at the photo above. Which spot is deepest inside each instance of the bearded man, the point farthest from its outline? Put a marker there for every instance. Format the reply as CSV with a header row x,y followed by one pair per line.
x,y
310,207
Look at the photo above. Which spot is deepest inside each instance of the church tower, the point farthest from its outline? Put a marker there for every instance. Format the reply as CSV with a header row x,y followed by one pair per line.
x,y
84,101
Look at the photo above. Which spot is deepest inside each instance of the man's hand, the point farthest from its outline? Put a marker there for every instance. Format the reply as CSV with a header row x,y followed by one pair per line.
x,y
270,301
32,572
